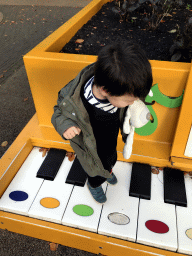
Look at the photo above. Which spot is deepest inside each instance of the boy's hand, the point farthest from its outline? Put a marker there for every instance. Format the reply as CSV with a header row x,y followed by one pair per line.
x,y
71,132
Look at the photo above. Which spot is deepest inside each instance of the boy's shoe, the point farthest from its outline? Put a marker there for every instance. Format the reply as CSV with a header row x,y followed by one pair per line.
x,y
112,180
97,193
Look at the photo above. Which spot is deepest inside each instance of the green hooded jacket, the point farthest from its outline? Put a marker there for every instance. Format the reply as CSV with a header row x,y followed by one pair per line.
x,y
70,111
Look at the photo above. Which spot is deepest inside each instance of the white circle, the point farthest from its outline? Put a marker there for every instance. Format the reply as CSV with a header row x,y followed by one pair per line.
x,y
118,218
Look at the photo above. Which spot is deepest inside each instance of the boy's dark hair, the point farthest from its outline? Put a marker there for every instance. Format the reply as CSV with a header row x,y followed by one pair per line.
x,y
123,68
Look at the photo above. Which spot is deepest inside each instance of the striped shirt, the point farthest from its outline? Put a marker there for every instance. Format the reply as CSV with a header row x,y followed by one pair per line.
x,y
104,105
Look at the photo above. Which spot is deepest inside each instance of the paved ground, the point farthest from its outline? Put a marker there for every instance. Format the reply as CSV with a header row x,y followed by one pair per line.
x,y
23,24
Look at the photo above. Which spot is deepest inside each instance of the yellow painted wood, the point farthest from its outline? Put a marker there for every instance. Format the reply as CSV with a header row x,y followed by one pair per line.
x,y
183,127
51,144
76,238
181,163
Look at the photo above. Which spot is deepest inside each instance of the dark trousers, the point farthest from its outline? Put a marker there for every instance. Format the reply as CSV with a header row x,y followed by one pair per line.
x,y
97,180
108,165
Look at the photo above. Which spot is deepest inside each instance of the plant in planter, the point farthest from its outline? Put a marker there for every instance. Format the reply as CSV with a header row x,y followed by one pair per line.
x,y
105,27
182,47
155,10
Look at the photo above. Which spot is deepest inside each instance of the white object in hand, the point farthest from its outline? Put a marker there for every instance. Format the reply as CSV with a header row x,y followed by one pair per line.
x,y
137,116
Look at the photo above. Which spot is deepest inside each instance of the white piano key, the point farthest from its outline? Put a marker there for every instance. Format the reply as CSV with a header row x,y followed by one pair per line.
x,y
184,221
188,149
156,210
58,191
119,201
82,196
26,181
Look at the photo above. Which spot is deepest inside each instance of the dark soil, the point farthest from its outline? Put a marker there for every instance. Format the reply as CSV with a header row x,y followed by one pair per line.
x,y
106,27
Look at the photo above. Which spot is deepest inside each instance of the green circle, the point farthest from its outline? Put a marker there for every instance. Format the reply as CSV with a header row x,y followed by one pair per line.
x,y
83,210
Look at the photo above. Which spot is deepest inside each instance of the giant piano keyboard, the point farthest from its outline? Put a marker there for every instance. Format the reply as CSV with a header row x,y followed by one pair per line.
x,y
142,207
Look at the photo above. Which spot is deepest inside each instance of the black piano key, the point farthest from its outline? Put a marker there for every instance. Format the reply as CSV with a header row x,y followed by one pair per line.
x,y
77,176
140,185
174,187
51,164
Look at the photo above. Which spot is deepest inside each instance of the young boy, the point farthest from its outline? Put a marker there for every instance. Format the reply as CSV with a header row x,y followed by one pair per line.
x,y
91,109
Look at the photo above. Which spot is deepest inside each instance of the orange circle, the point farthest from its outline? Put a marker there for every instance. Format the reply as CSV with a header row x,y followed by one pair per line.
x,y
49,202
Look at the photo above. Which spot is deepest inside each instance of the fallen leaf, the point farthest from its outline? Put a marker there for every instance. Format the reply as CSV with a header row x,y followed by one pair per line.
x,y
26,99
154,170
77,49
44,150
79,41
95,27
172,31
162,21
168,15
5,71
71,156
4,144
174,12
1,76
53,246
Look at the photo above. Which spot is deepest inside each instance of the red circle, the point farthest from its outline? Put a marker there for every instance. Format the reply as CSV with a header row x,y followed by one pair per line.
x,y
157,226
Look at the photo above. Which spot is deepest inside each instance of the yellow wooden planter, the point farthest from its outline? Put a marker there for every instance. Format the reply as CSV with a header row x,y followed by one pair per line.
x,y
48,71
